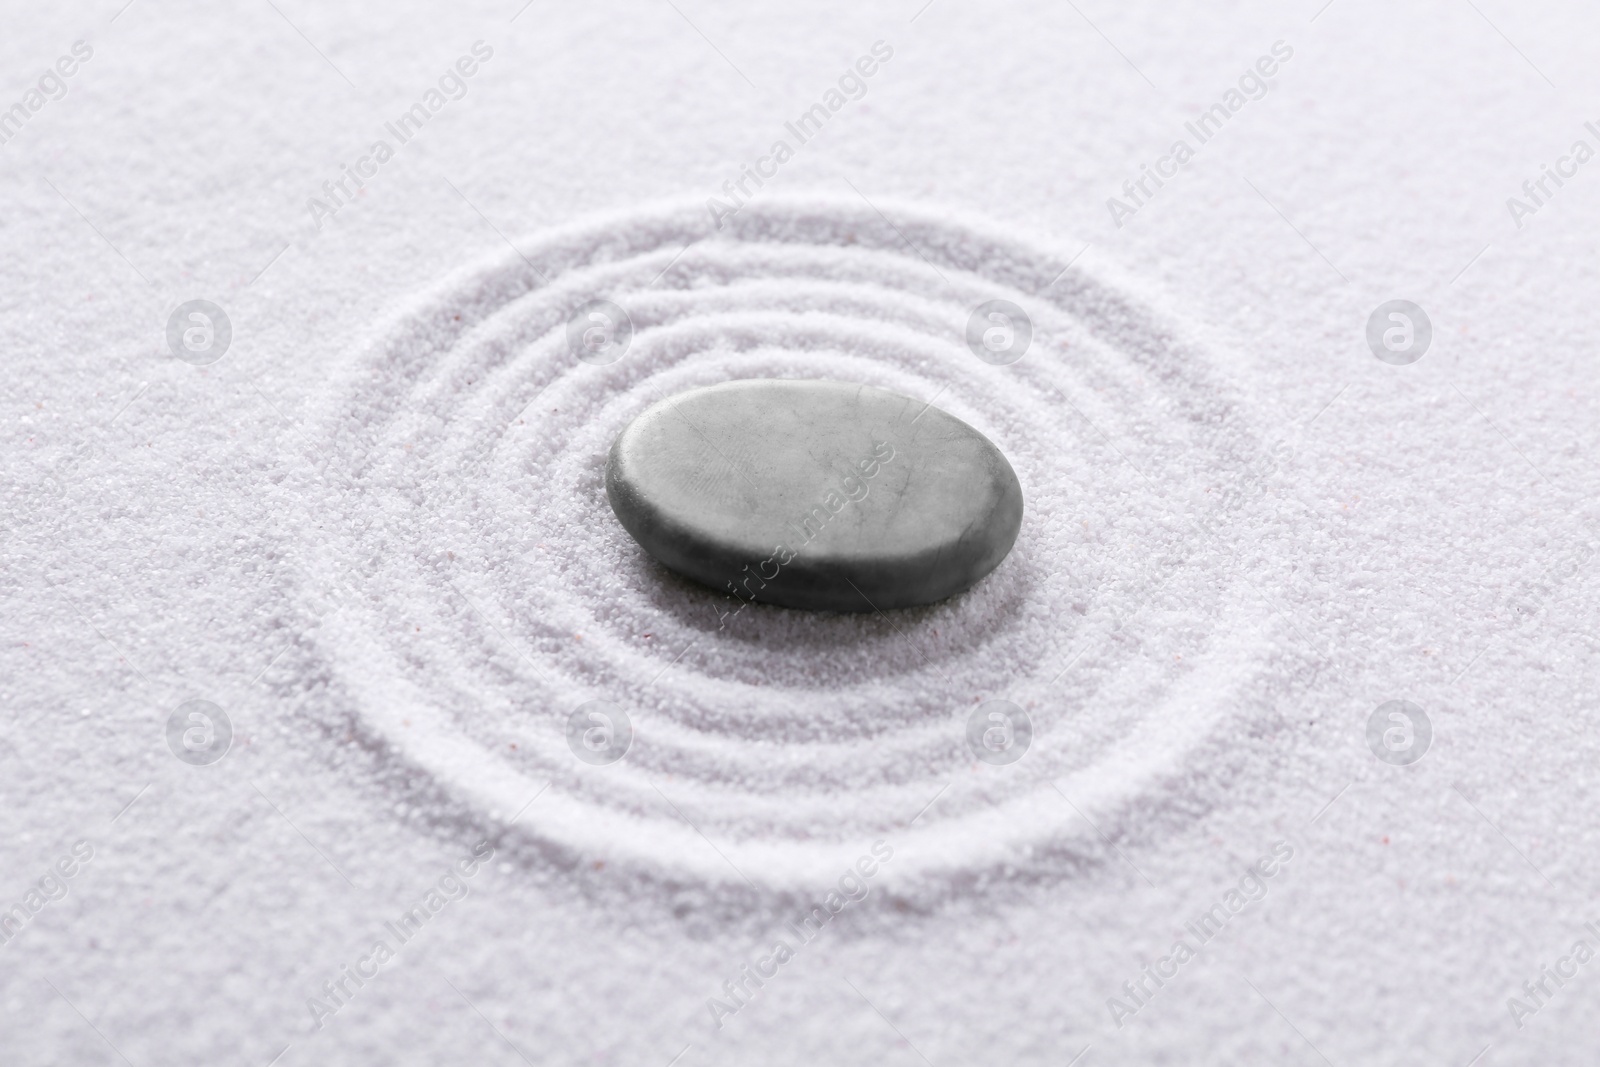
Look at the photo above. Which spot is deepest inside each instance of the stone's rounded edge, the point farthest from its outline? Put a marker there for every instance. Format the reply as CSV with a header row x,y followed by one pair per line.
x,y
1004,520
619,493
826,583
683,549
645,523
949,571
936,574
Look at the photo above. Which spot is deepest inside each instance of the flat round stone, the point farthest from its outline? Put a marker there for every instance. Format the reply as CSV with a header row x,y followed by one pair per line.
x,y
815,494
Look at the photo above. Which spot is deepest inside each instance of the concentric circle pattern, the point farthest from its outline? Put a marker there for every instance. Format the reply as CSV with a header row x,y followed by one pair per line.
x,y
770,747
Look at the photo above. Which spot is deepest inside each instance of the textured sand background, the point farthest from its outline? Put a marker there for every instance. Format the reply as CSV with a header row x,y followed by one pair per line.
x,y
373,534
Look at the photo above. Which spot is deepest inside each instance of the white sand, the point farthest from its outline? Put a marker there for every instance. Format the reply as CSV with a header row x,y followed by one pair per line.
x,y
375,534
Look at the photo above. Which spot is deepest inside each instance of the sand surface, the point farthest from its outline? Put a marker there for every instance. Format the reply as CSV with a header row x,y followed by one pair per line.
x,y
372,537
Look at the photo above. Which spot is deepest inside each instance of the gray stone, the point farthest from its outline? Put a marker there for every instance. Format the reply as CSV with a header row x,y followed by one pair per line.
x,y
815,494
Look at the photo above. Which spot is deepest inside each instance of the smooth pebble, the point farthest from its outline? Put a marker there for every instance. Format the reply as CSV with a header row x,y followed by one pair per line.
x,y
815,494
